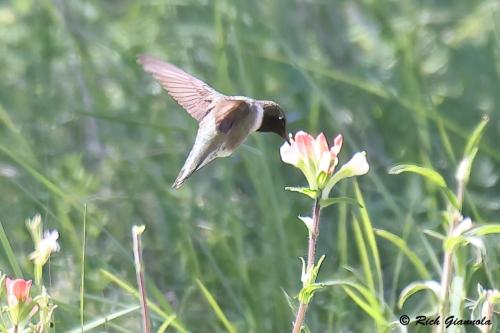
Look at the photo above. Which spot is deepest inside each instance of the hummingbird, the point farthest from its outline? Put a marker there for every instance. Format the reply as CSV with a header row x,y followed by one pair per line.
x,y
224,122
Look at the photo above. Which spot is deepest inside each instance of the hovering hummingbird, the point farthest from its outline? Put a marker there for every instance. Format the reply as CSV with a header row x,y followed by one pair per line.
x,y
224,122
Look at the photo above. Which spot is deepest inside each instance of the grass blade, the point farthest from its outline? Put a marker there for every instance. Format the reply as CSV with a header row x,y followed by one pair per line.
x,y
82,268
403,247
155,308
10,254
370,235
366,299
430,174
363,255
218,311
475,138
104,319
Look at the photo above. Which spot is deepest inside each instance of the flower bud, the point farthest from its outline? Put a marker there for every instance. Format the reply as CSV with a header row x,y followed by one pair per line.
x,y
45,247
357,165
18,291
18,299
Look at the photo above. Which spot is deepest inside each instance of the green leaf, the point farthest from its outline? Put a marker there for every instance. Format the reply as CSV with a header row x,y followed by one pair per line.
x,y
434,234
11,257
102,320
333,201
370,235
155,308
451,197
464,167
480,250
316,268
415,287
453,241
431,174
307,292
475,137
364,298
309,279
400,243
166,324
363,255
372,311
485,230
289,301
218,311
304,190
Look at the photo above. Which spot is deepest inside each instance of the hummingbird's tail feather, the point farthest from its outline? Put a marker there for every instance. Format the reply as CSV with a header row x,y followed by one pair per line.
x,y
189,168
206,147
179,181
186,171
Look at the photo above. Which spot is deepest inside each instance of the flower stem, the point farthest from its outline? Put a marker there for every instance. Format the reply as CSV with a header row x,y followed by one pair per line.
x,y
311,252
445,286
38,274
139,269
448,260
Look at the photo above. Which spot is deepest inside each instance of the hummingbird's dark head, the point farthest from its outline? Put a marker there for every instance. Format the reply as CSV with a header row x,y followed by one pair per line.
x,y
274,120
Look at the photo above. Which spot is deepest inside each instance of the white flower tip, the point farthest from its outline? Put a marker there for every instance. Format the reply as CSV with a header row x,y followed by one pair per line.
x,y
51,235
463,170
138,229
338,140
463,226
358,165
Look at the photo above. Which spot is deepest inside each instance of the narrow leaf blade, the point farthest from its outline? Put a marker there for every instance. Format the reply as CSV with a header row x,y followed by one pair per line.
x,y
333,201
431,174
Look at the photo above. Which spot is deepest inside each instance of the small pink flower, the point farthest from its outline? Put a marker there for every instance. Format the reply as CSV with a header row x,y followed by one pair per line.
x,y
312,156
18,291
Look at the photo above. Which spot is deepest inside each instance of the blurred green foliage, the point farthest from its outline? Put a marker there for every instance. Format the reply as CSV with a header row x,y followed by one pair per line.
x,y
80,123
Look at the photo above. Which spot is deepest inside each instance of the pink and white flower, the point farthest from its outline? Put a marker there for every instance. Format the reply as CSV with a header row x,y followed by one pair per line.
x,y
318,161
312,156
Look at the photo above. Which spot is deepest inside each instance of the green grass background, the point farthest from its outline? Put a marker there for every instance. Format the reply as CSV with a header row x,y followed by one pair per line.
x,y
81,124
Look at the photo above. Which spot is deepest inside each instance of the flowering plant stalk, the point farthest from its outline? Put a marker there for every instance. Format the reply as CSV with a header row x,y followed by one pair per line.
x,y
462,232
44,246
317,161
21,306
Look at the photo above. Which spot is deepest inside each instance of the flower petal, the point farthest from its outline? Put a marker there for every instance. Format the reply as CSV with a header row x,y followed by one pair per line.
x,y
337,145
320,145
289,153
324,163
305,143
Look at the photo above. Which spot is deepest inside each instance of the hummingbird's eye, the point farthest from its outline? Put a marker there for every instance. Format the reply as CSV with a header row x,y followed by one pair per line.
x,y
280,117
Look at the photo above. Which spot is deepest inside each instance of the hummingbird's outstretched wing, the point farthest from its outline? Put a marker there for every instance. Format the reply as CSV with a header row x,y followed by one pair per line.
x,y
194,95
